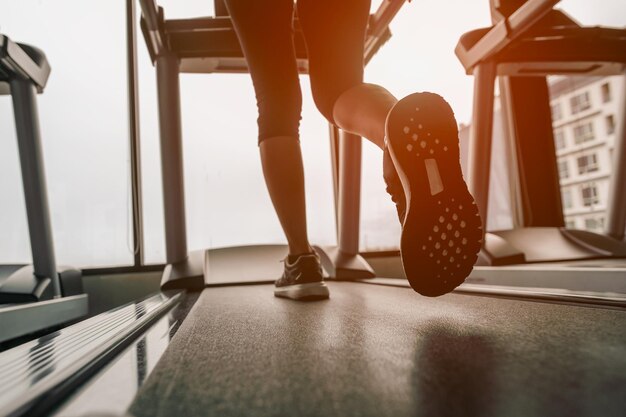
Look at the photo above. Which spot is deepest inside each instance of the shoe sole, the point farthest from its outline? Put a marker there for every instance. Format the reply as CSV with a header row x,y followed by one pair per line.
x,y
442,230
303,292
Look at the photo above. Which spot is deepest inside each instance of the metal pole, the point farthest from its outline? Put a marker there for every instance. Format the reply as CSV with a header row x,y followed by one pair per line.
x,y
133,132
616,210
349,193
480,136
333,133
34,180
171,156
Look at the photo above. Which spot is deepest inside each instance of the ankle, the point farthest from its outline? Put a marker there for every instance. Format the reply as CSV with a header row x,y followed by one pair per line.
x,y
293,255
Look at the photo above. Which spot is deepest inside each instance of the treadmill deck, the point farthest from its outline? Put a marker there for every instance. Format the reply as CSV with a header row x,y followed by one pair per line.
x,y
386,351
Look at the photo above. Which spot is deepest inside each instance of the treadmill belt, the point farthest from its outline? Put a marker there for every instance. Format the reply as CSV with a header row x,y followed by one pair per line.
x,y
386,351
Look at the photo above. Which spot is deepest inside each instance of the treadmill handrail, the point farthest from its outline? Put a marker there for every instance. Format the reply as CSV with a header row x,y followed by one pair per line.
x,y
13,58
378,31
508,30
152,20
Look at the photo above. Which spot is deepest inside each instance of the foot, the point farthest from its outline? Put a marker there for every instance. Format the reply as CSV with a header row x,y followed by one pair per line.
x,y
441,227
394,185
302,279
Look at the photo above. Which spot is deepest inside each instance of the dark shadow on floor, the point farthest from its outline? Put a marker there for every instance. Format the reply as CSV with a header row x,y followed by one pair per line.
x,y
454,372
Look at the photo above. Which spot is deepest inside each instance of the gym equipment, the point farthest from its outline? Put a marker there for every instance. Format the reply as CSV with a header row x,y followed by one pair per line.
x,y
39,295
529,40
239,351
210,45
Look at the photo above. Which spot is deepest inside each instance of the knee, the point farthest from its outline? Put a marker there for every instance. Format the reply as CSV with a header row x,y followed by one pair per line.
x,y
324,99
279,113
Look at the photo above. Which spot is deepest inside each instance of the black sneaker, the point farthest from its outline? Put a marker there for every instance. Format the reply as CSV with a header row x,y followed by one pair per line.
x,y
394,185
441,227
302,280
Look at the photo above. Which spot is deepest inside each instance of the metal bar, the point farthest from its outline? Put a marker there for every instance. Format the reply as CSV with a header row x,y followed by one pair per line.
x,y
333,133
531,133
616,210
379,23
34,180
150,14
349,193
171,156
23,318
89,356
383,16
123,270
151,17
133,132
481,137
508,121
506,31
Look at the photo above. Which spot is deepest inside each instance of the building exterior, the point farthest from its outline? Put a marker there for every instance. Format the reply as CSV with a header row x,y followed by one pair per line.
x,y
586,112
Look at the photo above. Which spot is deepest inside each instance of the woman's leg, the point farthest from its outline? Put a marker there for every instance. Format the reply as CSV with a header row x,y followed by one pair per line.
x,y
441,232
336,50
284,176
362,110
265,31
335,34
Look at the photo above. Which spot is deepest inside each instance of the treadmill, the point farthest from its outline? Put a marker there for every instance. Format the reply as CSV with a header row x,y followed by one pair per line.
x,y
223,345
39,296
530,40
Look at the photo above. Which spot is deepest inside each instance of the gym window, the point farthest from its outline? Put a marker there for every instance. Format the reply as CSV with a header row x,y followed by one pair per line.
x,y
606,92
563,167
559,139
566,198
610,124
583,133
557,114
580,102
587,163
589,194
594,223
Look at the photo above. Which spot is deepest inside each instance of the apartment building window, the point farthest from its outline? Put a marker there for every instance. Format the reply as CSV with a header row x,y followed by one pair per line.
x,y
570,224
559,139
563,167
583,133
580,102
566,198
587,163
606,92
610,124
594,223
589,194
557,114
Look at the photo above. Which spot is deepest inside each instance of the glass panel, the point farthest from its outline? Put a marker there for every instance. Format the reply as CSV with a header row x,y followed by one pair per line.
x,y
227,203
606,92
610,124
556,111
583,133
589,155
83,118
580,102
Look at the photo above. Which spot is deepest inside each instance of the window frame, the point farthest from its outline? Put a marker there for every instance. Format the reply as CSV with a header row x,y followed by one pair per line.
x,y
589,167
582,136
580,102
605,92
593,198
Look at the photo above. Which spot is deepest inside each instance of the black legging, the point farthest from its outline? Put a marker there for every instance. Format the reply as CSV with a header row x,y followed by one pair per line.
x,y
334,31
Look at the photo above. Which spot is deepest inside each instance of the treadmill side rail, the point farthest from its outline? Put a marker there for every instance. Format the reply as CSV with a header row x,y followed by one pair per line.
x,y
22,319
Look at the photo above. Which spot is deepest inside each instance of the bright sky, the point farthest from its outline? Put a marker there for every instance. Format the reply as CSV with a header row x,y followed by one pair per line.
x,y
83,117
